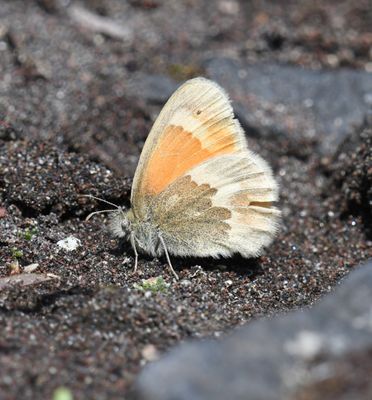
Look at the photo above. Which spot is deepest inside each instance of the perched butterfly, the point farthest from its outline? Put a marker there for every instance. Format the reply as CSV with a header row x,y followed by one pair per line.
x,y
198,190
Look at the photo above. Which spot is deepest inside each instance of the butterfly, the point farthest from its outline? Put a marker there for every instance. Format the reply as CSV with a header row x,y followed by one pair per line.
x,y
198,190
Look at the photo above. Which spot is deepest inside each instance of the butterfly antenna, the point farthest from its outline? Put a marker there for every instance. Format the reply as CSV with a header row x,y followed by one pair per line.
x,y
97,198
98,212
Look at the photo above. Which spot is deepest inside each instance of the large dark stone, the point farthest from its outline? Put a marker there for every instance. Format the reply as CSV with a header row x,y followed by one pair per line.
x,y
269,98
326,105
277,358
154,89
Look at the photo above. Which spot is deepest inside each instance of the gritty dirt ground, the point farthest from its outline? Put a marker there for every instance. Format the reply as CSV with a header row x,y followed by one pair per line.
x,y
67,128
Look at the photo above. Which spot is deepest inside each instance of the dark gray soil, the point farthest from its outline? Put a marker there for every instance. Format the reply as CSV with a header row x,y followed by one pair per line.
x,y
71,124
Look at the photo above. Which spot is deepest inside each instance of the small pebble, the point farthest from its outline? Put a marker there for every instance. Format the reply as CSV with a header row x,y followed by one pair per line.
x,y
70,243
31,268
150,353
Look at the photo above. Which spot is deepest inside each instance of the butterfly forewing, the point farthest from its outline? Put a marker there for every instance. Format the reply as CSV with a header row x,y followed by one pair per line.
x,y
196,124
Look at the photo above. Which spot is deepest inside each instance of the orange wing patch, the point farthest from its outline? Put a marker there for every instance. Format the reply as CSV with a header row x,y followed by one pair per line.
x,y
178,151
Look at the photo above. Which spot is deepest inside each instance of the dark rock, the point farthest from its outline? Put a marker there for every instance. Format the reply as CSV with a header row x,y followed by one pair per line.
x,y
326,105
155,89
272,359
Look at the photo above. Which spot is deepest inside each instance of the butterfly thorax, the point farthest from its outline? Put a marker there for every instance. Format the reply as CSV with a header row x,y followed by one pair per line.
x,y
141,233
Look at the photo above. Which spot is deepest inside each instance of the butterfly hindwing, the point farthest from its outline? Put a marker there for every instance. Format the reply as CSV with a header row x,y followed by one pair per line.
x,y
220,207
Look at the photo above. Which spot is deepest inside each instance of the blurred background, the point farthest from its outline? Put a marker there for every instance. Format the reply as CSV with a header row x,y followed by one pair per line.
x,y
92,75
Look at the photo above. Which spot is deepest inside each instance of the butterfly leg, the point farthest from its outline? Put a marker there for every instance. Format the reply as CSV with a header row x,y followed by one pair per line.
x,y
168,258
133,243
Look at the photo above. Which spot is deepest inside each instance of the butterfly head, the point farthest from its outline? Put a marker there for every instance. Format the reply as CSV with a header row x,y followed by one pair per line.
x,y
120,218
120,222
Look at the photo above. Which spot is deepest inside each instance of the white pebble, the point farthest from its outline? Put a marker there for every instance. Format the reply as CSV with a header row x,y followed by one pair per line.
x,y
31,268
70,243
